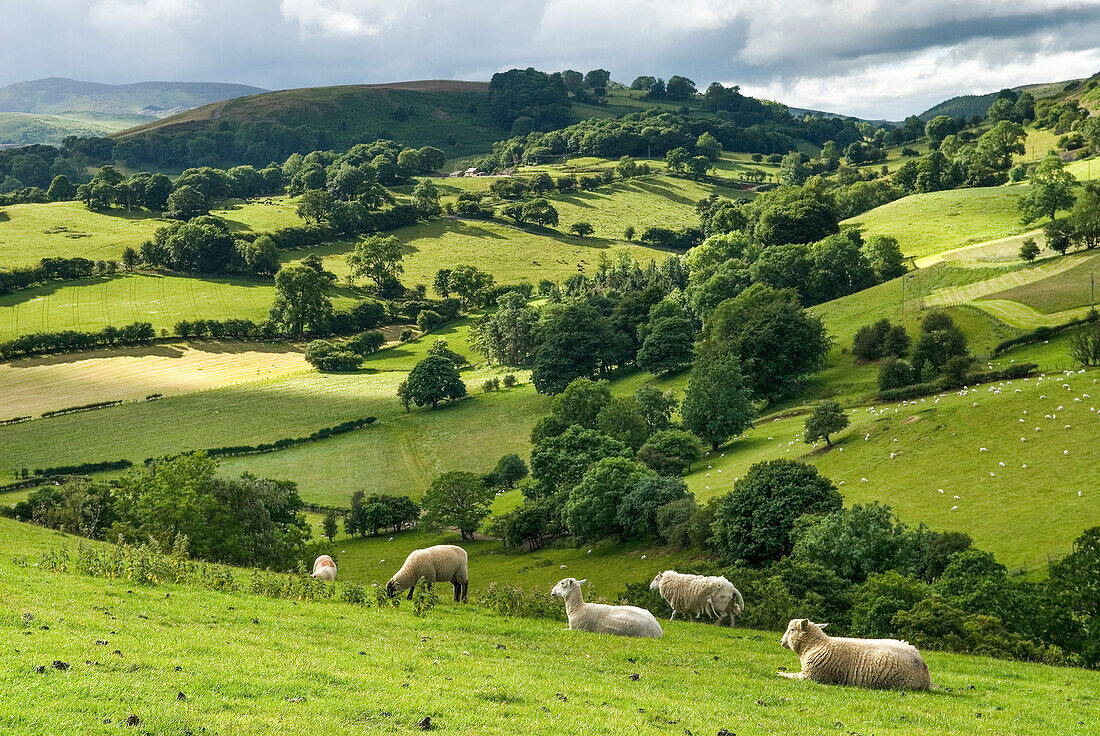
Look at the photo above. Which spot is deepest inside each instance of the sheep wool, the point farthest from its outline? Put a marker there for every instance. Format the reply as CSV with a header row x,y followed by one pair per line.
x,y
883,664
699,594
443,563
600,618
324,568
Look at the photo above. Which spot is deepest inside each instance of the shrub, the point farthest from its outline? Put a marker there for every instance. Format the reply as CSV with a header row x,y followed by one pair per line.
x,y
365,343
510,600
894,373
509,380
326,357
429,320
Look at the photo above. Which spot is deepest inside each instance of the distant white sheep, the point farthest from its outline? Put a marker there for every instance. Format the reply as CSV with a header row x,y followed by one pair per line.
x,y
600,618
699,594
443,563
324,568
882,664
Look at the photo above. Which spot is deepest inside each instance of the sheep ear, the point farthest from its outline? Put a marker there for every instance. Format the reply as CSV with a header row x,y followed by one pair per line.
x,y
822,626
803,624
582,582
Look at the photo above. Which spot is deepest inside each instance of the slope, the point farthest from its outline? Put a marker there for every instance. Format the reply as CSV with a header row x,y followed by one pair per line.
x,y
186,660
54,95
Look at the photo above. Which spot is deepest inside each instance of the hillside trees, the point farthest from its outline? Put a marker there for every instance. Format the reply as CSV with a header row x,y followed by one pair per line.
x,y
666,339
940,340
459,499
300,300
776,340
528,93
434,379
753,522
377,257
1051,190
717,403
240,521
827,418
186,202
575,342
508,335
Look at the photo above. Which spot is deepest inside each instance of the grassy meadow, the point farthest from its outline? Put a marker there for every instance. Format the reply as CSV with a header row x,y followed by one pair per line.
x,y
926,224
32,232
159,653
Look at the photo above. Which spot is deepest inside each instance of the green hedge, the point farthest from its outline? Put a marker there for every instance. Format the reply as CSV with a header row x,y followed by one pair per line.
x,y
1042,333
68,340
84,468
286,442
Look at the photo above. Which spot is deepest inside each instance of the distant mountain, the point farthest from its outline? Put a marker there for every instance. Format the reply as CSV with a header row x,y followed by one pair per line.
x,y
64,97
23,129
799,111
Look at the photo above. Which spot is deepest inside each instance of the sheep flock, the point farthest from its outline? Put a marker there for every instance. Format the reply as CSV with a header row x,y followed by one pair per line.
x,y
886,664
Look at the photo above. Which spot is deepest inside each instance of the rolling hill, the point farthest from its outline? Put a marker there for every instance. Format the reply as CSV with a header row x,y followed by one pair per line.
x,y
970,105
58,96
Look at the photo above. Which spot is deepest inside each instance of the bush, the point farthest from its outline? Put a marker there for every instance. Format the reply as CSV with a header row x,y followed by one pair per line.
x,y
326,357
509,380
894,373
365,343
510,600
429,320
69,340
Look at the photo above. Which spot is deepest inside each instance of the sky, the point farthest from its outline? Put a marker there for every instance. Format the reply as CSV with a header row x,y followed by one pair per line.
x,y
870,58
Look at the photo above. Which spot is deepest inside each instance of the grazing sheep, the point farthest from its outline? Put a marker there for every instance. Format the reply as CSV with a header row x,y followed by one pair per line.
x,y
324,568
443,563
599,618
883,664
698,594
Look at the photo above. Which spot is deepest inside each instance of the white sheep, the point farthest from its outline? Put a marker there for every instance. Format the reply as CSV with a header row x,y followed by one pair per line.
x,y
883,664
698,594
600,618
324,568
443,563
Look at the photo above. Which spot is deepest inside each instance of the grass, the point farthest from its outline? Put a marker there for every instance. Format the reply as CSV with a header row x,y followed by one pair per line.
x,y
511,254
1069,288
1024,516
322,668
926,224
91,304
32,232
29,386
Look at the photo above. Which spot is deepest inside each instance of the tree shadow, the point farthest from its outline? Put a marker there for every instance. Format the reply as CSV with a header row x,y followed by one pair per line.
x,y
50,288
175,349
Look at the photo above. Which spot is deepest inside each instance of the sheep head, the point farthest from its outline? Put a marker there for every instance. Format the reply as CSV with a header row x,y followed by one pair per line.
x,y
797,630
566,586
391,589
656,584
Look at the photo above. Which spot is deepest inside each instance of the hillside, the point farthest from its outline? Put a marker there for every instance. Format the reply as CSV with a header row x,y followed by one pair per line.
x,y
449,114
24,129
55,95
159,653
970,105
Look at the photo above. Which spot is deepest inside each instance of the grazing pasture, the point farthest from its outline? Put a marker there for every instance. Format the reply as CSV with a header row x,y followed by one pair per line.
x,y
158,654
32,232
30,386
926,224
510,253
1067,288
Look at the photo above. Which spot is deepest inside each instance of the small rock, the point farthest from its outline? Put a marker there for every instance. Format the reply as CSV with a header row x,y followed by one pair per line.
x,y
426,724
132,720
59,665
180,696
40,669
635,677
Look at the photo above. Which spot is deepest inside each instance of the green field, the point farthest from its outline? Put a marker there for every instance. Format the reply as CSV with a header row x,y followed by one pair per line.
x,y
91,304
925,224
31,232
160,653
1068,289
510,253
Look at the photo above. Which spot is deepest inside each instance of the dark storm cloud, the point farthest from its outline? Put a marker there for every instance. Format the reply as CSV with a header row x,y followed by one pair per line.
x,y
869,57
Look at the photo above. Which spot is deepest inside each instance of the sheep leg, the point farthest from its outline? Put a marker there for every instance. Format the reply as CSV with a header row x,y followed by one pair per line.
x,y
673,617
718,620
458,589
465,590
793,675
409,597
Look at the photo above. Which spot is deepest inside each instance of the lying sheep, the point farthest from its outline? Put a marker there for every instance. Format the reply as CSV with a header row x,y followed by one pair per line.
x,y
324,568
698,594
884,664
443,563
599,618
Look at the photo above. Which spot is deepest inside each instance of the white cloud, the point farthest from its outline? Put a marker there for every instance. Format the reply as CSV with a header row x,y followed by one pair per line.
x,y
134,15
346,18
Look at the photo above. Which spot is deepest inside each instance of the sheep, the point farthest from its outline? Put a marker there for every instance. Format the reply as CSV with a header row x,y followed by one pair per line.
x,y
599,618
324,568
882,664
699,594
443,563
